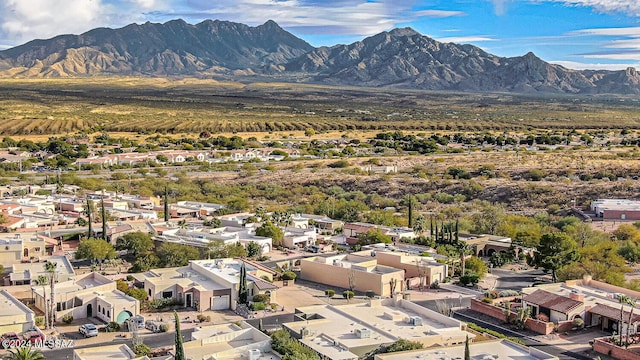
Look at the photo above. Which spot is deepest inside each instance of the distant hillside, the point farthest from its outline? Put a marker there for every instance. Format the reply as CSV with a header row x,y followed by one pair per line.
x,y
401,58
173,48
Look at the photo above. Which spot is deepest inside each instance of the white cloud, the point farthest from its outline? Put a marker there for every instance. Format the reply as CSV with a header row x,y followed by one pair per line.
x,y
23,20
629,7
438,13
465,39
585,66
27,19
500,6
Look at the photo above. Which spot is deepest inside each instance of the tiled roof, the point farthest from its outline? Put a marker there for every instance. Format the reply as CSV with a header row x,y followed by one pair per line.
x,y
613,313
552,301
262,284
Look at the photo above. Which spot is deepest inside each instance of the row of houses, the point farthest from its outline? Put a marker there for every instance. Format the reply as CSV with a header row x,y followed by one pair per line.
x,y
181,156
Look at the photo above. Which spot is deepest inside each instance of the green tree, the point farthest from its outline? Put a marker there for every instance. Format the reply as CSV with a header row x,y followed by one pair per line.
x,y
488,218
309,132
24,353
95,250
172,255
404,345
144,263
476,265
373,236
135,243
179,351
555,251
254,250
268,229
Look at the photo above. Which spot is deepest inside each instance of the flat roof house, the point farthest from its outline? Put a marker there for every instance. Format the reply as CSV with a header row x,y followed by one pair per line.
x,y
89,295
25,273
495,349
337,270
207,284
111,352
347,332
14,315
230,342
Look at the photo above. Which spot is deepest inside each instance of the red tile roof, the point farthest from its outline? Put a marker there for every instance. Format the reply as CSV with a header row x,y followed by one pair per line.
x,y
613,313
552,301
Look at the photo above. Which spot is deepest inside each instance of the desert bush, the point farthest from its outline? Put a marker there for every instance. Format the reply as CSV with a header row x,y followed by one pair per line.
x,y
347,294
263,298
67,319
256,306
330,293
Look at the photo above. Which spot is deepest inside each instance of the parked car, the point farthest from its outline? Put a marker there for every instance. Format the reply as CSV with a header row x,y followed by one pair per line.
x,y
10,340
134,323
32,337
154,326
88,330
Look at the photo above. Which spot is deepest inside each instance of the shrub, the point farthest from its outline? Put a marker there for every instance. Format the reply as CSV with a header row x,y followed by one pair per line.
x,y
469,278
256,306
435,285
493,295
39,321
493,333
67,319
164,328
288,275
142,350
507,293
263,298
330,293
158,304
578,322
112,326
370,294
347,294
487,300
130,278
203,318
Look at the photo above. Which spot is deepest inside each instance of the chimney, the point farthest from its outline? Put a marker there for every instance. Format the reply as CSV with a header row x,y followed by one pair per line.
x,y
577,296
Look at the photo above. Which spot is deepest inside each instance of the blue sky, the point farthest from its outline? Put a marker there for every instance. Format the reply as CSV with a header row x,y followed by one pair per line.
x,y
579,34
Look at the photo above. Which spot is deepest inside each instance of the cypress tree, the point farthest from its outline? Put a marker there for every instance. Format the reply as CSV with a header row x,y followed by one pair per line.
x,y
90,230
410,212
179,353
242,291
166,205
467,351
431,233
104,220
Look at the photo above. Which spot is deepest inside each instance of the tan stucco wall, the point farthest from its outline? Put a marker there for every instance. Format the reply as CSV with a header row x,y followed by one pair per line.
x,y
339,277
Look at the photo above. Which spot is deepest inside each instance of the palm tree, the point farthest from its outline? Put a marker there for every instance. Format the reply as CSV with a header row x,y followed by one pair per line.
x,y
51,267
24,353
42,280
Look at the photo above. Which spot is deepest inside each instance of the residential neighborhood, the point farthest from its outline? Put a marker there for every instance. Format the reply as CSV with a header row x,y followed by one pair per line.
x,y
303,276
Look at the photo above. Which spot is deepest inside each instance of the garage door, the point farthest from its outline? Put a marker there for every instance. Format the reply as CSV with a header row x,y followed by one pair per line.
x,y
220,302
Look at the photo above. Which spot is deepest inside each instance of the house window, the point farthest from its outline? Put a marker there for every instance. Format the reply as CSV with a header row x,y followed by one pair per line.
x,y
167,294
98,307
108,314
149,292
37,249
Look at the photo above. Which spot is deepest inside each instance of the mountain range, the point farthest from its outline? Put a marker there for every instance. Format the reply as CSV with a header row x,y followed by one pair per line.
x,y
400,58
